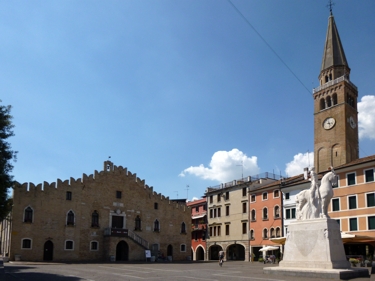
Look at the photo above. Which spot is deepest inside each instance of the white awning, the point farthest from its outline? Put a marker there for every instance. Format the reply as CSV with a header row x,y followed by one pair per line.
x,y
346,238
269,248
198,216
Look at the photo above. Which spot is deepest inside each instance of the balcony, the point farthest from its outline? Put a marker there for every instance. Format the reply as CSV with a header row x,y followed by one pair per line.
x,y
116,232
200,226
333,82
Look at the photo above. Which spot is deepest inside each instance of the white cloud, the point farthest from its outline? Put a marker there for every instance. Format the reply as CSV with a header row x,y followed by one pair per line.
x,y
225,166
300,161
366,117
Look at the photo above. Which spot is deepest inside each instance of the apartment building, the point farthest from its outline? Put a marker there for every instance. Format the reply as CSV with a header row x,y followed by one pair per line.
x,y
229,217
198,228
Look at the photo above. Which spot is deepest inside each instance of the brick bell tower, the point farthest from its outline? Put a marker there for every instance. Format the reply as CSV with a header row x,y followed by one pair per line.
x,y
335,107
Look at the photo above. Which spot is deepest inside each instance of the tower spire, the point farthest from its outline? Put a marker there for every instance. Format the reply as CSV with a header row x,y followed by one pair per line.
x,y
333,55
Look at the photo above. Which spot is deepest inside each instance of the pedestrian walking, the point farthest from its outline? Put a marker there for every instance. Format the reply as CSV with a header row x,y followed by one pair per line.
x,y
221,258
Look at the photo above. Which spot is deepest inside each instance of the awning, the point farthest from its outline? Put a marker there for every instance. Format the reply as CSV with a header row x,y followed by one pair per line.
x,y
198,216
346,238
355,238
268,248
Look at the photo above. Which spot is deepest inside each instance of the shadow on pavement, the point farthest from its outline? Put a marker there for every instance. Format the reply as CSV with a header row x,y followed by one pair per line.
x,y
19,273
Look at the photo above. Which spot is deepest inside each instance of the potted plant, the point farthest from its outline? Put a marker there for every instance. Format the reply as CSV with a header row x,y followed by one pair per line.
x,y
260,259
353,261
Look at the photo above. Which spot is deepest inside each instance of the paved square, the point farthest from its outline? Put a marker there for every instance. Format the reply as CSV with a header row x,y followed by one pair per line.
x,y
199,271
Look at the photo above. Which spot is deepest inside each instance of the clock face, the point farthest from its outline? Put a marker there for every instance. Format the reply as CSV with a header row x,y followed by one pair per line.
x,y
329,123
352,122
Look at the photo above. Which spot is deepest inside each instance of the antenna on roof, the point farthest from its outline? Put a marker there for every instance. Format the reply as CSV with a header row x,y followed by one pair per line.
x,y
242,168
308,158
177,194
187,192
330,4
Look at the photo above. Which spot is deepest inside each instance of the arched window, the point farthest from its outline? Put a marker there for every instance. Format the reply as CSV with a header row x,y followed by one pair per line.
x,y
28,216
326,78
156,226
252,234
137,223
183,227
265,233
322,104
277,211
334,99
253,216
278,232
265,195
329,103
265,213
350,100
276,193
272,233
70,218
95,219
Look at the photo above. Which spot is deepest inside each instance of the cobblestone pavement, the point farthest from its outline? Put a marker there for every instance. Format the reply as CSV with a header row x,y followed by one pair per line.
x,y
189,271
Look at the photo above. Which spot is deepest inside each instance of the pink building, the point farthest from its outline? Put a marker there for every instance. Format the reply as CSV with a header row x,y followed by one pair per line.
x,y
198,228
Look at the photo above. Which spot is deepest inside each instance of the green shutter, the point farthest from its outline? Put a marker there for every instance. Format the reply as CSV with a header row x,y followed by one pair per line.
x,y
369,175
371,200
353,224
371,223
335,205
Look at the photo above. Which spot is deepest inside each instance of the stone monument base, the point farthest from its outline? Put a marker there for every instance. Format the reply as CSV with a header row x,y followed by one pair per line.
x,y
338,274
314,248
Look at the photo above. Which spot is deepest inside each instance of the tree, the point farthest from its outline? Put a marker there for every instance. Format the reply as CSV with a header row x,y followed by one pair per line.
x,y
6,155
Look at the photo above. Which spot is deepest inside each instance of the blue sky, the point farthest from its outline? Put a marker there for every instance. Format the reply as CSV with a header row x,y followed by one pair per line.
x,y
183,93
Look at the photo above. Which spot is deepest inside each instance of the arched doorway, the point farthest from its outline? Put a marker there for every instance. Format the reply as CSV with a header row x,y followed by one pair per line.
x,y
236,252
214,252
122,251
170,251
48,251
199,255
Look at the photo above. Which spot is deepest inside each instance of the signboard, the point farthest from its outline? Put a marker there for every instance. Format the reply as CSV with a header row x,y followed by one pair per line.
x,y
148,254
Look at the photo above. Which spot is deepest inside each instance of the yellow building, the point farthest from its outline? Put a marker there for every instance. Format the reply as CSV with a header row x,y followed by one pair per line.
x,y
229,216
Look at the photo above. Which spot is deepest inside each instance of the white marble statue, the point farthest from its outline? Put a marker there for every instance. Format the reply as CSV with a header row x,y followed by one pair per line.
x,y
313,203
326,191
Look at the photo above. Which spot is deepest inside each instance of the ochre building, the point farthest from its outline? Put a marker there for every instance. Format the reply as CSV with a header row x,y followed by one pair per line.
x,y
109,215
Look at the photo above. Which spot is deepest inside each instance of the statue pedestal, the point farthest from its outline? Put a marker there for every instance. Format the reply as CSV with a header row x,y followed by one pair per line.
x,y
314,244
314,248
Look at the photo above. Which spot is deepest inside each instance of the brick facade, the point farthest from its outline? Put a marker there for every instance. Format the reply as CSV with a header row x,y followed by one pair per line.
x,y
111,214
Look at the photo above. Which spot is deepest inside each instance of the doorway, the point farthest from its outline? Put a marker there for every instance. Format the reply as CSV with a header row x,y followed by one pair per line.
x,y
48,251
122,251
170,252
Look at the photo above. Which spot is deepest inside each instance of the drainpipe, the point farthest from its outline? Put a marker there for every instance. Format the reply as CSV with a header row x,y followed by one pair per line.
x,y
248,218
282,219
